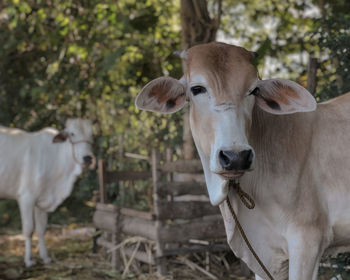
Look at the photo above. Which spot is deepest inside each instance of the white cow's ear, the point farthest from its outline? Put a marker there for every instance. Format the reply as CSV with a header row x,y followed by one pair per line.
x,y
60,137
162,95
279,96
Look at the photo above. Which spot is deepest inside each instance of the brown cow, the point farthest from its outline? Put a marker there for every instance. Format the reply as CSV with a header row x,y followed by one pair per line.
x,y
268,135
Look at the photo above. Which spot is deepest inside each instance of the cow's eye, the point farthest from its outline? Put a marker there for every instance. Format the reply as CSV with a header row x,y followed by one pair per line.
x,y
198,90
72,134
254,91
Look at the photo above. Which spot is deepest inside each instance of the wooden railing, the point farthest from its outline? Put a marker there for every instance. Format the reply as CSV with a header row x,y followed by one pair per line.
x,y
199,219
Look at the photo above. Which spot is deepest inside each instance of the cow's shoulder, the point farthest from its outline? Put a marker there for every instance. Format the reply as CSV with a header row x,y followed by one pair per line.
x,y
339,102
334,112
49,131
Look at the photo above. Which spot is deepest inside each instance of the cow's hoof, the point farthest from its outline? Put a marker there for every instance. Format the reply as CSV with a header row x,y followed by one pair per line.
x,y
30,263
47,260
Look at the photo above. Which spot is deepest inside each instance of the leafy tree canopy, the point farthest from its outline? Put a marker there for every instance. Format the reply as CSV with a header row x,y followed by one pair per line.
x,y
89,58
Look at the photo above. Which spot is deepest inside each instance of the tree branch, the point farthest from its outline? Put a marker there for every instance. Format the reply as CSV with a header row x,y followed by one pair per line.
x,y
218,17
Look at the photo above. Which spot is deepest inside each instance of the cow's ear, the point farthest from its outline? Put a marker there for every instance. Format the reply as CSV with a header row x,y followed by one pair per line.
x,y
162,95
60,137
279,96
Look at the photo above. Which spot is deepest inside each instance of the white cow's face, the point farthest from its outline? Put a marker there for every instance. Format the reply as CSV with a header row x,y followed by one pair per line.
x,y
79,133
222,86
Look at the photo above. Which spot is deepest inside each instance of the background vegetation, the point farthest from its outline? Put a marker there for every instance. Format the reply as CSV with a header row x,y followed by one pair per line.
x,y
89,58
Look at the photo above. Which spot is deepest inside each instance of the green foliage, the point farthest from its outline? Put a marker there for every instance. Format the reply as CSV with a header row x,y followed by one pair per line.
x,y
9,214
89,59
285,33
334,40
278,30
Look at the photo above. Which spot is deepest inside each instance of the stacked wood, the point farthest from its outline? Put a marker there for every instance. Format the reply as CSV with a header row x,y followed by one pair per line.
x,y
176,226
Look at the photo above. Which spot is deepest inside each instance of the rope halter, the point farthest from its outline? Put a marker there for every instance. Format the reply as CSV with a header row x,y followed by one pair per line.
x,y
73,148
248,201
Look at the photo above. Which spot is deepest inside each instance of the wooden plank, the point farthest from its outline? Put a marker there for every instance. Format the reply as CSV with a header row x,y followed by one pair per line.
x,y
106,207
138,227
129,225
105,220
115,176
189,177
184,166
211,229
197,249
136,156
181,188
185,209
137,214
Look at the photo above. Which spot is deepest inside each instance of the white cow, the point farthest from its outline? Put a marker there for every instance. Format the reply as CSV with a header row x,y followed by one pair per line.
x,y
38,169
288,153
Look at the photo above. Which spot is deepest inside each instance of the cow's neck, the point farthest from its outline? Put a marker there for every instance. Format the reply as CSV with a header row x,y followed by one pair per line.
x,y
71,167
281,144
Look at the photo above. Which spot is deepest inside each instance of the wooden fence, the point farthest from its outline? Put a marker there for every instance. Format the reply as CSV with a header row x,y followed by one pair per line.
x,y
181,221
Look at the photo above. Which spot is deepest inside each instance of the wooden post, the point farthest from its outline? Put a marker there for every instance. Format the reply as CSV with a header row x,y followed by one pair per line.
x,y
160,259
116,239
101,181
168,158
311,75
121,191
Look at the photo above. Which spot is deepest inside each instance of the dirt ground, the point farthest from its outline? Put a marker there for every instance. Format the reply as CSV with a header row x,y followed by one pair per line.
x,y
71,251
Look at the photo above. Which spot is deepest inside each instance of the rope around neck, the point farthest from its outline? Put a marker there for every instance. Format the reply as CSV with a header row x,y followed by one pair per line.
x,y
249,203
73,149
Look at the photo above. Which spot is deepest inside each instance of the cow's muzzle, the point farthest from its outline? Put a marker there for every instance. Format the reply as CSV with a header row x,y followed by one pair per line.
x,y
89,162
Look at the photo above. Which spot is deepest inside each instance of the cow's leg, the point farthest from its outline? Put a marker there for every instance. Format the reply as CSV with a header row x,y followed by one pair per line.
x,y
26,206
305,251
40,228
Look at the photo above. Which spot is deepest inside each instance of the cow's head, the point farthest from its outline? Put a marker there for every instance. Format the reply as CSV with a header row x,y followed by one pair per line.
x,y
79,133
222,87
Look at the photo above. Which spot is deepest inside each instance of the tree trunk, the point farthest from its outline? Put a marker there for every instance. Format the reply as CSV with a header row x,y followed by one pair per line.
x,y
311,75
197,28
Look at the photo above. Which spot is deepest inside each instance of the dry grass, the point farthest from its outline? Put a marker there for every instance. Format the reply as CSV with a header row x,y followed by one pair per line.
x,y
72,258
71,251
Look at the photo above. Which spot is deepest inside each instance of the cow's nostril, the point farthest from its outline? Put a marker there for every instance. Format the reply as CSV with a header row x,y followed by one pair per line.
x,y
227,159
223,158
246,158
87,159
230,160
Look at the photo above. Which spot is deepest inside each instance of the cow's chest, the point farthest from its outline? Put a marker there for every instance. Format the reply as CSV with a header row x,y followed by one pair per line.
x,y
55,192
270,246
